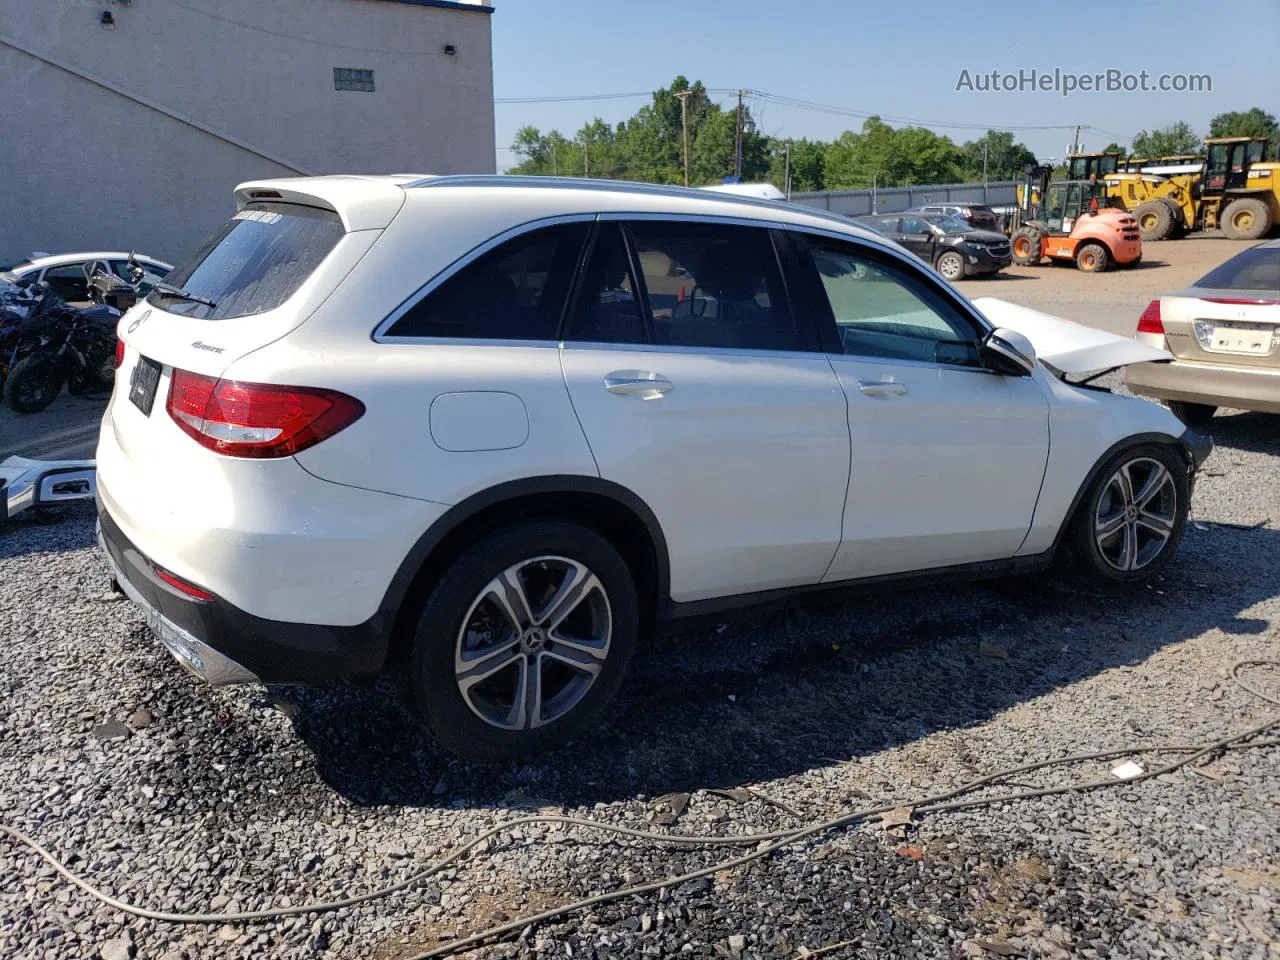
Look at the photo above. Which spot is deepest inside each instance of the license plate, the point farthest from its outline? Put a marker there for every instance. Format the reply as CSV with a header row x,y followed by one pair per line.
x,y
142,384
1240,338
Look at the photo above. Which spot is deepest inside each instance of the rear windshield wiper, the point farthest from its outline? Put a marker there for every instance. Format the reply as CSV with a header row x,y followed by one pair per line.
x,y
179,294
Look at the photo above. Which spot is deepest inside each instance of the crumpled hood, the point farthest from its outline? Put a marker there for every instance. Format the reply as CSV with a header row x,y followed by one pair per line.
x,y
1065,346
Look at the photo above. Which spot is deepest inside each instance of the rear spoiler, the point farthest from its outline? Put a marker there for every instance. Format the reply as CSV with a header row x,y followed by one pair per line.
x,y
362,203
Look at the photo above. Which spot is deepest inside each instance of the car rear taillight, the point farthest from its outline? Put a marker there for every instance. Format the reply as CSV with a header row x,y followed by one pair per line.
x,y
1150,321
119,353
187,589
256,419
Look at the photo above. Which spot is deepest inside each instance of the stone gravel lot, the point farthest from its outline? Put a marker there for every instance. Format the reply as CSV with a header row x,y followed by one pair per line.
x,y
238,799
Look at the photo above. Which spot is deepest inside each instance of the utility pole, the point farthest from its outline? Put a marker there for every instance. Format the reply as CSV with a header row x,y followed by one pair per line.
x,y
786,174
1075,143
586,163
683,96
555,159
737,140
985,142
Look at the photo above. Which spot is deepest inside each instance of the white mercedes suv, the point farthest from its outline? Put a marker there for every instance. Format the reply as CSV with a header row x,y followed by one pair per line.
x,y
486,433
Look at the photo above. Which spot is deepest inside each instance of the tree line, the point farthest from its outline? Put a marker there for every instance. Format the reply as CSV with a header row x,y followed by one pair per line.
x,y
650,147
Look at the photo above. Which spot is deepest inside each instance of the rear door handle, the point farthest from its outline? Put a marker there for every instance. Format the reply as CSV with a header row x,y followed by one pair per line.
x,y
646,382
879,388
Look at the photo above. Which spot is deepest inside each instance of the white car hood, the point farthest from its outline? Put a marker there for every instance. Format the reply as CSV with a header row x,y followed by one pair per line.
x,y
1065,346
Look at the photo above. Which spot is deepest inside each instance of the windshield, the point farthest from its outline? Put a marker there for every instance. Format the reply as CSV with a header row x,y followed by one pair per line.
x,y
253,264
950,225
1257,268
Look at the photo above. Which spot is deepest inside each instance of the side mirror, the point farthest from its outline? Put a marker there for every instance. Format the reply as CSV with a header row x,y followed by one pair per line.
x,y
1008,352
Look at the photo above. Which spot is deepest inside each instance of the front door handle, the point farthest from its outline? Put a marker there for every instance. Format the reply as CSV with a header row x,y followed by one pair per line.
x,y
880,388
644,382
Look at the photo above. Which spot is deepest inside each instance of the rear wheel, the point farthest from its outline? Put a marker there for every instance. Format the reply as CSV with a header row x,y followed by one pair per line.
x,y
1092,257
1128,526
951,265
1247,218
524,638
1155,220
33,383
1026,246
1192,414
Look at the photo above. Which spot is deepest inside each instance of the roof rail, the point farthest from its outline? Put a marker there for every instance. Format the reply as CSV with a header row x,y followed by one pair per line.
x,y
617,186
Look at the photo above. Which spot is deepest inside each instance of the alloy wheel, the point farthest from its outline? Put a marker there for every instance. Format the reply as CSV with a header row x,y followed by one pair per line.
x,y
533,643
1136,514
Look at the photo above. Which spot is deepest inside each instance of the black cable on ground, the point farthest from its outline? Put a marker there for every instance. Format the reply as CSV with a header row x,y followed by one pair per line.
x,y
766,843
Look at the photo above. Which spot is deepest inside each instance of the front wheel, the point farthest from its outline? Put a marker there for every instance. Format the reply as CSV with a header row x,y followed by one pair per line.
x,y
1026,246
525,637
951,265
1192,414
33,383
1131,519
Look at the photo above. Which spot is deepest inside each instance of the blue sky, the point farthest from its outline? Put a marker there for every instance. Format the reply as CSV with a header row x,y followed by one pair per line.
x,y
897,59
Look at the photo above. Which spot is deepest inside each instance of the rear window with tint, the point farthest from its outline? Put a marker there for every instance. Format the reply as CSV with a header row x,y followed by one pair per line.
x,y
256,262
1254,269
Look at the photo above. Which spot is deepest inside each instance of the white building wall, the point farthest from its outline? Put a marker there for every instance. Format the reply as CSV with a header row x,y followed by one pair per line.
x,y
133,137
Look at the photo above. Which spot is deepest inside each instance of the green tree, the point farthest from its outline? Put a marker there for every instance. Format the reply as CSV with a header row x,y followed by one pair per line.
x,y
1005,159
1173,139
808,162
1254,122
650,145
1114,147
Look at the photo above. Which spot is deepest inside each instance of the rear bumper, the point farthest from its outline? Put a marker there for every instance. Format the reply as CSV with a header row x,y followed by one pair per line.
x,y
1213,384
222,644
1126,251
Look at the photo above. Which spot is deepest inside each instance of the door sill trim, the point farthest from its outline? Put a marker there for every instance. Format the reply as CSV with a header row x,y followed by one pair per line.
x,y
674,611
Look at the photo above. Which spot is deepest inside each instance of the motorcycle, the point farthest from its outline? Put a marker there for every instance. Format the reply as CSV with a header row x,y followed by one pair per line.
x,y
58,344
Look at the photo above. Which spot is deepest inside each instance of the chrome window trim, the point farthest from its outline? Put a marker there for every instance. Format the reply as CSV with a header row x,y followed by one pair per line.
x,y
380,335
715,218
917,364
693,351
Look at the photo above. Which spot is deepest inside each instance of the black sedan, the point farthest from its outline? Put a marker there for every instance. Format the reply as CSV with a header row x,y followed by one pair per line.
x,y
955,249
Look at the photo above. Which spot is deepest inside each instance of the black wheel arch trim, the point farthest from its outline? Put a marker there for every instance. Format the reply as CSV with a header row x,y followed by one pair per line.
x,y
458,514
1194,446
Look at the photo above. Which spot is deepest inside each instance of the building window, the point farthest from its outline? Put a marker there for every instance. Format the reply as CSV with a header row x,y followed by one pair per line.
x,y
345,78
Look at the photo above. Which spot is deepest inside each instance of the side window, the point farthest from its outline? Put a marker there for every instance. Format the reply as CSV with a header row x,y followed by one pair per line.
x,y
516,291
913,225
883,311
608,310
69,282
714,285
887,225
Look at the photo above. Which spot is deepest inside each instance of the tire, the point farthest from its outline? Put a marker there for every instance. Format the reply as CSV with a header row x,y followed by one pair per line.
x,y
1247,218
951,265
1192,414
1104,557
1175,211
488,721
1155,220
33,383
1092,257
1025,245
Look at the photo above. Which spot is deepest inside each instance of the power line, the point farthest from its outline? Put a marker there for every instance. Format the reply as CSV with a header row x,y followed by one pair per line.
x,y
575,98
763,98
290,36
